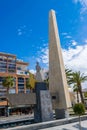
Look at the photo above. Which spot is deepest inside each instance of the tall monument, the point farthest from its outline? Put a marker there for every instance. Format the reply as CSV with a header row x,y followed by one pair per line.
x,y
57,78
43,108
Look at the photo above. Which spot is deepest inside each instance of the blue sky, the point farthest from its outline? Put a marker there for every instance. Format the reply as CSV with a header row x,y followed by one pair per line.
x,y
24,30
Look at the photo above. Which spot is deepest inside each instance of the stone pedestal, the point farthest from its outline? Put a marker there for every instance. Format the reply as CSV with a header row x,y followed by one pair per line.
x,y
43,108
61,113
46,105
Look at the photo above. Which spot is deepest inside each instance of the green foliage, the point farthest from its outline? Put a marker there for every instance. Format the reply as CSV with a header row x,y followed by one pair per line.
x,y
68,73
30,83
79,109
8,82
76,79
47,80
85,94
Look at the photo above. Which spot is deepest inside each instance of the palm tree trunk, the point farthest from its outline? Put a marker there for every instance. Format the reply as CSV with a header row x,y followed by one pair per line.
x,y
7,113
81,95
7,90
77,97
7,102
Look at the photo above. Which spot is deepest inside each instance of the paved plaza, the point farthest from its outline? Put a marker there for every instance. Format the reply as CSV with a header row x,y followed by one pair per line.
x,y
62,124
15,117
71,126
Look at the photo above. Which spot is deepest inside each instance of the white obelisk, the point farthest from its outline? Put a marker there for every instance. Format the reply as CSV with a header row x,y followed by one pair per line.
x,y
57,78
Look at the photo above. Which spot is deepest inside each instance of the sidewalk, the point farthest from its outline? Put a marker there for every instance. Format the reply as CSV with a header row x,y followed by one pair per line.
x,y
63,124
15,117
71,126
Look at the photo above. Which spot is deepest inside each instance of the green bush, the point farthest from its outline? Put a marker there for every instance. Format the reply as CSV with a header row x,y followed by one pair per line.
x,y
79,109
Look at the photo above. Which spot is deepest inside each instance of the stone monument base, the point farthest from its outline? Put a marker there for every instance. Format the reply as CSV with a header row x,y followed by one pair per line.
x,y
61,113
46,106
43,108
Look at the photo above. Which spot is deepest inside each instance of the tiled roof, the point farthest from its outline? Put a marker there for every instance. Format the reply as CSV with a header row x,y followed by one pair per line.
x,y
21,99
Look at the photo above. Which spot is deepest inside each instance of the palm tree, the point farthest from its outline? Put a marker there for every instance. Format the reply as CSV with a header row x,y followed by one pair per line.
x,y
8,82
68,74
75,89
77,78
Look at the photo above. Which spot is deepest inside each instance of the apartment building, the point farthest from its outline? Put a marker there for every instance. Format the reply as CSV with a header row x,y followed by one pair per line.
x,y
11,66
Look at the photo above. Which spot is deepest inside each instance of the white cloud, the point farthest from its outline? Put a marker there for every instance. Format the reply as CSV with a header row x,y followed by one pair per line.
x,y
44,56
32,71
20,33
68,36
74,58
64,33
73,42
83,4
38,59
24,30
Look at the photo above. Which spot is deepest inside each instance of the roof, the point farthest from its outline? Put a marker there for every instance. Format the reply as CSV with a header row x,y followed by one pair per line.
x,y
22,63
7,54
21,99
14,56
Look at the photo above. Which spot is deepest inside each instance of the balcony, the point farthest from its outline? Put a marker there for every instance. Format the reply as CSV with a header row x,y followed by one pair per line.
x,y
4,60
22,72
11,60
11,71
3,70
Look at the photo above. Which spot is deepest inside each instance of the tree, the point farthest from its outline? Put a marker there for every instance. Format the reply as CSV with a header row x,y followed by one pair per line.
x,y
85,94
47,82
30,83
68,73
79,110
77,78
8,82
75,89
